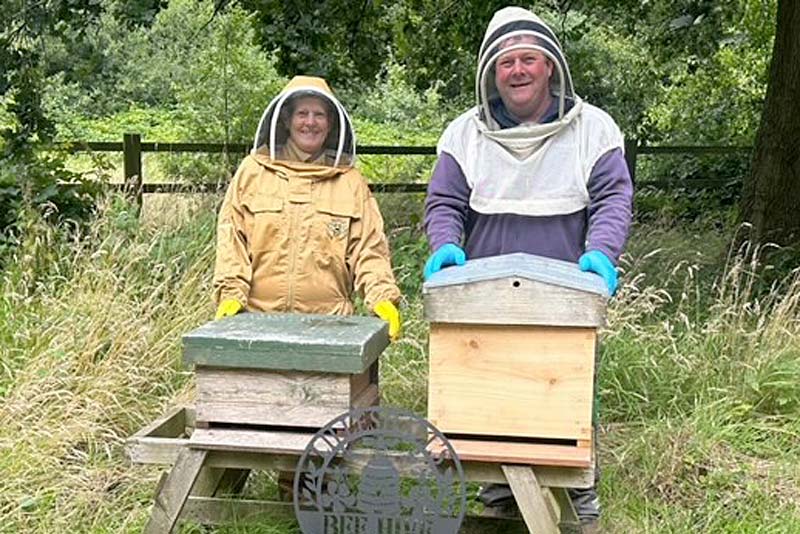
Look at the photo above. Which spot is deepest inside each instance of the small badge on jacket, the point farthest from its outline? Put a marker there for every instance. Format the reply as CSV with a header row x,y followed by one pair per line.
x,y
337,228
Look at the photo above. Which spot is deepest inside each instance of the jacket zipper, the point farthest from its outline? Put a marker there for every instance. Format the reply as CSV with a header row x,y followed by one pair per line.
x,y
292,256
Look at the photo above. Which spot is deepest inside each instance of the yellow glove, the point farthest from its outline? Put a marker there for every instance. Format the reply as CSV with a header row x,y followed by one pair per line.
x,y
388,312
228,308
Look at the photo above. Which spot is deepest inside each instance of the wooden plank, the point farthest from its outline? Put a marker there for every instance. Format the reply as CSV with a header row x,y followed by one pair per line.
x,y
523,381
550,476
522,453
240,148
631,150
205,148
216,481
229,439
474,470
171,497
530,499
171,425
219,187
359,382
279,398
475,456
132,166
693,149
189,415
407,150
294,342
207,481
157,451
568,521
368,397
388,187
160,441
514,301
311,417
252,460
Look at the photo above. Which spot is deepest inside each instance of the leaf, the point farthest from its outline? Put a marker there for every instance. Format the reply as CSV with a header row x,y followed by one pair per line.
x,y
681,22
28,504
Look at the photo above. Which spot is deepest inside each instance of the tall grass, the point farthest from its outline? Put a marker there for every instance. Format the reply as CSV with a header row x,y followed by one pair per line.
x,y
699,405
93,353
699,388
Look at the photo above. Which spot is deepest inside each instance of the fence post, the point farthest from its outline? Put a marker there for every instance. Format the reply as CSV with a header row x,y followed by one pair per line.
x,y
631,150
132,158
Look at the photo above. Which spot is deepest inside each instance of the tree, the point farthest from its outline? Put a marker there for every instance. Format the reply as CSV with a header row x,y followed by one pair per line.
x,y
28,175
344,41
772,192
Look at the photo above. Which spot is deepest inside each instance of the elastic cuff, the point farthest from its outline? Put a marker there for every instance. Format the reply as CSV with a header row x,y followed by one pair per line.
x,y
238,296
608,254
392,296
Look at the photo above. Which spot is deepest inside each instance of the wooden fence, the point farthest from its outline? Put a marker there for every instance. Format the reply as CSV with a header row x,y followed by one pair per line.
x,y
132,148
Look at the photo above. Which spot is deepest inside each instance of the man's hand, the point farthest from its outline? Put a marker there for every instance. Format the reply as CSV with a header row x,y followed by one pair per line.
x,y
597,262
228,308
388,312
445,255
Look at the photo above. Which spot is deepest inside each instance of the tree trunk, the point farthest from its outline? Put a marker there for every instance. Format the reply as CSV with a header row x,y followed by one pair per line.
x,y
771,195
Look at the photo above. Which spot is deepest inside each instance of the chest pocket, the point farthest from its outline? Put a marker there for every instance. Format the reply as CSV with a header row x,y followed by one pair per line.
x,y
267,229
331,232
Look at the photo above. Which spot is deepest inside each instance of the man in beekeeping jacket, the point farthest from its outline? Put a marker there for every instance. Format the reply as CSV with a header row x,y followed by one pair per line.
x,y
531,168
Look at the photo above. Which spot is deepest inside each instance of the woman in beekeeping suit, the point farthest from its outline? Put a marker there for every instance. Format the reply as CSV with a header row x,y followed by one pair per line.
x,y
299,230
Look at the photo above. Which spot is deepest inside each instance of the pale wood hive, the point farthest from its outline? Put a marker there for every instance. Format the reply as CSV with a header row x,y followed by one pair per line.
x,y
284,370
512,356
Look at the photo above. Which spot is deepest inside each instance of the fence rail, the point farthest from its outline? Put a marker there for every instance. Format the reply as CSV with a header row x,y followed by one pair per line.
x,y
132,149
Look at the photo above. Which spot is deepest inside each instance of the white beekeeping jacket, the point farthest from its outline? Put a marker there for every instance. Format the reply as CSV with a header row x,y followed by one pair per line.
x,y
529,169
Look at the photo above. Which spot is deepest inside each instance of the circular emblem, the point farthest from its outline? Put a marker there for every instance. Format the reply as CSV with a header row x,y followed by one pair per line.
x,y
379,471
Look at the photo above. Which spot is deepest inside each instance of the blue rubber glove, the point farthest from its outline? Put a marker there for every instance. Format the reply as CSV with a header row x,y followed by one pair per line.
x,y
597,262
445,255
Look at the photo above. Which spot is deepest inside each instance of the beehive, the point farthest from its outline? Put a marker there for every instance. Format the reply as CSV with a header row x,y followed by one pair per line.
x,y
284,370
512,357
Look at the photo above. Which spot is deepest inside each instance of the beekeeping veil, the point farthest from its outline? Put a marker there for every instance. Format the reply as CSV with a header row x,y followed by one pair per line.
x,y
272,137
527,168
510,29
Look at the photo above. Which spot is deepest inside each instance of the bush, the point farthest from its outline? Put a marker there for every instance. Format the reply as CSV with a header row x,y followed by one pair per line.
x,y
36,181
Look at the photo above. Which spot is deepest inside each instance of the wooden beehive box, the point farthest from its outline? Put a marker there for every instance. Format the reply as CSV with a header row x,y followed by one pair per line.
x,y
284,370
512,357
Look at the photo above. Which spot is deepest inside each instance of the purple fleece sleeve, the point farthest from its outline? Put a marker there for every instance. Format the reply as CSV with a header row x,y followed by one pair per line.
x,y
610,209
447,203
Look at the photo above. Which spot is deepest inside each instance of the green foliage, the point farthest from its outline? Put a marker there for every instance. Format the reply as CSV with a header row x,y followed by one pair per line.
x,y
201,64
439,42
228,81
345,42
394,113
194,74
725,95
712,94
609,71
657,72
29,174
36,181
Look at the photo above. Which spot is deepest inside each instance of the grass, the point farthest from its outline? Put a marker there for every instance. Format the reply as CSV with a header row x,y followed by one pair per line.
x,y
699,404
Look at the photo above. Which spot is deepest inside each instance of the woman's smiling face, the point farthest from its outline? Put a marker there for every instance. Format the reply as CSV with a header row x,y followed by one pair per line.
x,y
309,124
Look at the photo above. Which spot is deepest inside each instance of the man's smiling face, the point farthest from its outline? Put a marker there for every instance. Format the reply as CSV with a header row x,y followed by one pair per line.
x,y
522,78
